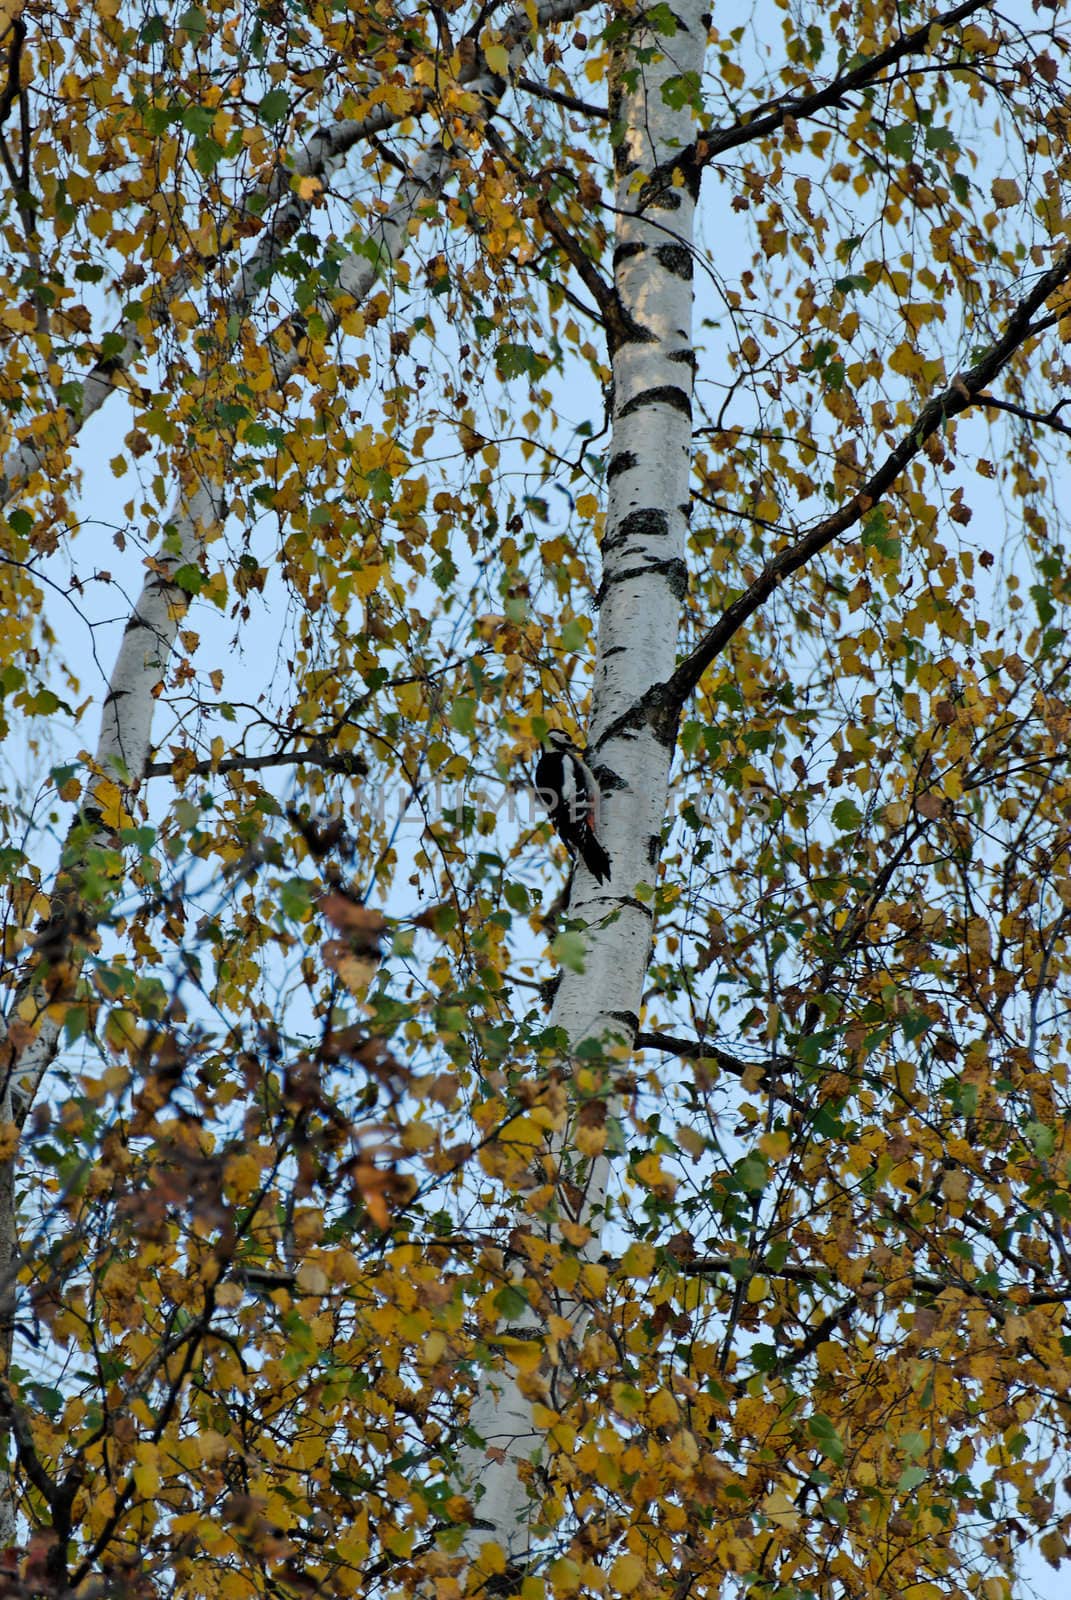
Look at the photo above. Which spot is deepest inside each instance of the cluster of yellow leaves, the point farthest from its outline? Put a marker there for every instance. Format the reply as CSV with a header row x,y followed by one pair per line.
x,y
269,1276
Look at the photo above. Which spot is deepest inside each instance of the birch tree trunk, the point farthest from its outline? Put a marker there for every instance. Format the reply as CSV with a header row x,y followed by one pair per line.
x,y
125,740
648,324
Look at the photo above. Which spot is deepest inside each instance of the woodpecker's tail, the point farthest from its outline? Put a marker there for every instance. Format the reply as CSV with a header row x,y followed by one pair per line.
x,y
595,858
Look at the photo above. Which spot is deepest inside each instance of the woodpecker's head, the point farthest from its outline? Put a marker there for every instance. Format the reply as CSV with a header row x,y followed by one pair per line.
x,y
559,740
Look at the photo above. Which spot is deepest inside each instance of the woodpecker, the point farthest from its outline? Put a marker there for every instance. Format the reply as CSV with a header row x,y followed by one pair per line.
x,y
569,791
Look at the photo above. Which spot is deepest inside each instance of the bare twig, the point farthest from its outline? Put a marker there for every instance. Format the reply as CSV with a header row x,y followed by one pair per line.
x,y
1050,419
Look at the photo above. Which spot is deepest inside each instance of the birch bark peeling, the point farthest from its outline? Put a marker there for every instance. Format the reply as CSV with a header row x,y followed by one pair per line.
x,y
643,584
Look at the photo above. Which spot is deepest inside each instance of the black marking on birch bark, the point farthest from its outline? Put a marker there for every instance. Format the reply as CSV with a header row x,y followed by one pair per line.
x,y
666,394
623,461
677,260
647,524
656,709
654,849
687,358
674,571
660,192
622,327
625,252
110,366
637,905
548,991
627,1019
609,781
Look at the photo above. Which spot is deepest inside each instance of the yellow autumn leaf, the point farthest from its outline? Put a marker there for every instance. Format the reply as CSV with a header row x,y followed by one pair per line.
x,y
311,1279
1005,192
497,58
108,797
627,1574
780,1510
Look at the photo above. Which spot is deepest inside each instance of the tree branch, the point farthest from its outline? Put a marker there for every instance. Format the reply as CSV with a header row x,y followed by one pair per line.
x,y
922,1282
965,390
352,766
569,101
697,1049
773,115
1051,419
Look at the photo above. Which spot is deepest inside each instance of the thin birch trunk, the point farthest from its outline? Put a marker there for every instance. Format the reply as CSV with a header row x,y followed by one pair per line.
x,y
126,741
126,728
643,585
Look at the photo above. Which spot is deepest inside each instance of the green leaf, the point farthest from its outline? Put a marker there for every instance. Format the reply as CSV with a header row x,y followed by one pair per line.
x,y
1042,599
1041,1138
511,1302
570,950
71,394
274,107
854,280
44,703
190,579
295,899
207,155
847,816
462,714
198,120
660,19
752,1173
518,361
380,484
826,1437
574,634
75,1023
683,90
194,21
900,142
875,535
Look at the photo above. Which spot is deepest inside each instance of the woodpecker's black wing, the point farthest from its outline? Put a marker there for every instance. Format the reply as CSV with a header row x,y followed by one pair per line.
x,y
595,857
570,793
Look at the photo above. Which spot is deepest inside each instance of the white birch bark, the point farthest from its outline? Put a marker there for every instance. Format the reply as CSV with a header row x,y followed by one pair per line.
x,y
126,725
644,580
319,156
126,729
125,739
